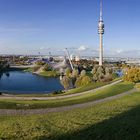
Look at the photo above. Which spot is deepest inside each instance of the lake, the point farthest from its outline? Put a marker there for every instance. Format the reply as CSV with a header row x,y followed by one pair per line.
x,y
25,82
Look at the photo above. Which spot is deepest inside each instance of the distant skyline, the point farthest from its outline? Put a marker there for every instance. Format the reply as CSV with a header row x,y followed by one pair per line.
x,y
32,26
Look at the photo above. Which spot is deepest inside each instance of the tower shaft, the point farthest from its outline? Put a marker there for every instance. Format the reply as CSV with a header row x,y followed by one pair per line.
x,y
101,51
101,32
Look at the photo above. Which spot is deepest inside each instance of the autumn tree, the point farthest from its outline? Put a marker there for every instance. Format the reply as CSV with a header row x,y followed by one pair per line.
x,y
75,73
83,73
66,82
68,72
101,73
83,79
132,75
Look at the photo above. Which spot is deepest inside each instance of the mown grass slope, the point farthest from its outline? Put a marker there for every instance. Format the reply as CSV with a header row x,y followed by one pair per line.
x,y
115,120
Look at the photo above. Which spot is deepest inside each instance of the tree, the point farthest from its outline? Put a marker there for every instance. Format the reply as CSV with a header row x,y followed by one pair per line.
x,y
137,86
101,70
40,63
94,70
47,67
74,76
101,73
86,80
82,81
66,82
132,75
107,71
75,73
4,65
83,73
95,77
68,72
78,82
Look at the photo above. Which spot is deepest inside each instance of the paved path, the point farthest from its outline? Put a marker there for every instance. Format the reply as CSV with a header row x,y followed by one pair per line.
x,y
58,97
62,109
21,66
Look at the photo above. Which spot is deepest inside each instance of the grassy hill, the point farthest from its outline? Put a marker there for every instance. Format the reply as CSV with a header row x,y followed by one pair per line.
x,y
115,120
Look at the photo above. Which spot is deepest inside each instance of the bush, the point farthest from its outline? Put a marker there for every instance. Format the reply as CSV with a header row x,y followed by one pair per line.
x,y
57,92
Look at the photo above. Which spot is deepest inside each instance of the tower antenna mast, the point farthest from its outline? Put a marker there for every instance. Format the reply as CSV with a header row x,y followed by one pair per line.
x,y
101,11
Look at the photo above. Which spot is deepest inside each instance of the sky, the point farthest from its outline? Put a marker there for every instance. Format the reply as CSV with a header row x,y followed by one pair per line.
x,y
33,26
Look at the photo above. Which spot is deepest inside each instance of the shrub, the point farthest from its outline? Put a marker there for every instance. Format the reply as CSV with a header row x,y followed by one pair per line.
x,y
57,92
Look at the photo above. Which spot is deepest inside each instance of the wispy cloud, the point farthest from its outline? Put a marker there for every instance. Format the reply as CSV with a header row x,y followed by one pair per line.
x,y
83,48
122,53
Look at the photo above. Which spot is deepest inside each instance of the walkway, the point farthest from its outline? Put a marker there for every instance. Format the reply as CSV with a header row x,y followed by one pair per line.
x,y
61,109
21,66
58,97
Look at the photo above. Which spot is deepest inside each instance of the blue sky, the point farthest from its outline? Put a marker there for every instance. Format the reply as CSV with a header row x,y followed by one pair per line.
x,y
32,26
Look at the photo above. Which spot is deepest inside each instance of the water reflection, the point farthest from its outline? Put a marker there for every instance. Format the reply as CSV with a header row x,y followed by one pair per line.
x,y
1,74
7,74
25,82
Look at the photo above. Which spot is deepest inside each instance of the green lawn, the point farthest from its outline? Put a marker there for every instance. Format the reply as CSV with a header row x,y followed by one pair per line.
x,y
115,120
100,94
90,87
49,74
28,70
86,88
